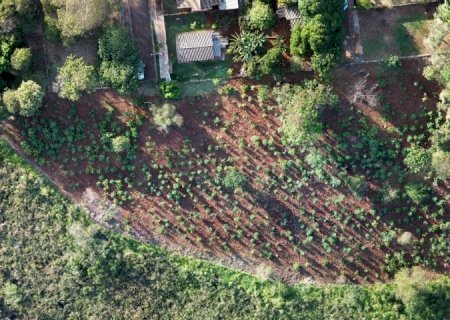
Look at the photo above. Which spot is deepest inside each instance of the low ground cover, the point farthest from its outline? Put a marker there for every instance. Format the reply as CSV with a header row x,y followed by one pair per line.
x,y
390,3
200,70
397,31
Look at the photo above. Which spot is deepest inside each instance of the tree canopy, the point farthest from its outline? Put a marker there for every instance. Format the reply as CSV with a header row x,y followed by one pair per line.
x,y
74,78
119,60
261,16
26,100
21,59
302,106
321,34
76,18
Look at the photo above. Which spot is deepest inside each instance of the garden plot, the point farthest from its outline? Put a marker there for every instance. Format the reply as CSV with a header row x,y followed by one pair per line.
x,y
225,187
395,31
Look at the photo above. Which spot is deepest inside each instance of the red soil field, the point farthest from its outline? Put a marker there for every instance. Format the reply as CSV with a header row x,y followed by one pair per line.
x,y
314,231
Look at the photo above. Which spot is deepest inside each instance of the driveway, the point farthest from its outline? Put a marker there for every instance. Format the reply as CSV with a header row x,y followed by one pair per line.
x,y
142,31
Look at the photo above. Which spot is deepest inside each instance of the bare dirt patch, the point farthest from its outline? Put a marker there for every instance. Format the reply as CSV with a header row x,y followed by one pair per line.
x,y
395,31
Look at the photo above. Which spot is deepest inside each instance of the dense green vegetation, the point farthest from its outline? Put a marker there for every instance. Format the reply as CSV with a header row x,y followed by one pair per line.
x,y
26,100
74,79
302,109
321,33
54,263
16,19
119,60
261,16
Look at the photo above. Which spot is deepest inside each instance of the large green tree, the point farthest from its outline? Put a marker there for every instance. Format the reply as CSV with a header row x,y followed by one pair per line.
x,y
321,34
422,300
24,101
74,78
119,60
21,59
15,13
261,16
302,107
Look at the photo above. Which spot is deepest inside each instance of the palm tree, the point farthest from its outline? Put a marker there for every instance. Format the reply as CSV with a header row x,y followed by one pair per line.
x,y
246,44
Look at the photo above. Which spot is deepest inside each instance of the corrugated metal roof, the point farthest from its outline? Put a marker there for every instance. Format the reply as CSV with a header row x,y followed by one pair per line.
x,y
195,46
197,4
292,14
229,4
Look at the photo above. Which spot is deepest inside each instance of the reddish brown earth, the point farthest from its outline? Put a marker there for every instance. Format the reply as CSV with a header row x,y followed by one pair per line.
x,y
274,218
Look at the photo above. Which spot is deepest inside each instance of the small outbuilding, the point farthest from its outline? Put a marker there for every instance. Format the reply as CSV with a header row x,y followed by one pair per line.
x,y
205,45
204,5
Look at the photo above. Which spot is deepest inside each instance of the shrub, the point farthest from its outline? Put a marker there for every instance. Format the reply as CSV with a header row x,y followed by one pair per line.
x,y
261,16
440,161
358,185
417,192
166,116
295,41
21,59
234,179
227,90
263,93
120,77
272,59
74,78
322,64
417,159
51,31
245,45
120,144
7,45
364,4
392,62
170,90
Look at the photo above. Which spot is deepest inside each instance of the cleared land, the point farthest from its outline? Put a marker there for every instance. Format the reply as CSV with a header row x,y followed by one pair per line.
x,y
395,31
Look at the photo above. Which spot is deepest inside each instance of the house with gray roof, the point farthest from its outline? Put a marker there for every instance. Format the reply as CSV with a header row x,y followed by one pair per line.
x,y
203,5
204,45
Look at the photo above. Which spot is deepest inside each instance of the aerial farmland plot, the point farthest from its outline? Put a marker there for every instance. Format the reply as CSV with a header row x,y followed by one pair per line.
x,y
265,178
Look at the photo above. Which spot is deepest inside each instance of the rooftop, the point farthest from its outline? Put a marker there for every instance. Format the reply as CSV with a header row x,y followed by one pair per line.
x,y
203,45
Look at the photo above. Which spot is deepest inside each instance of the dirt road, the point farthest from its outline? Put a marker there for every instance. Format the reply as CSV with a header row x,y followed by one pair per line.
x,y
142,31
